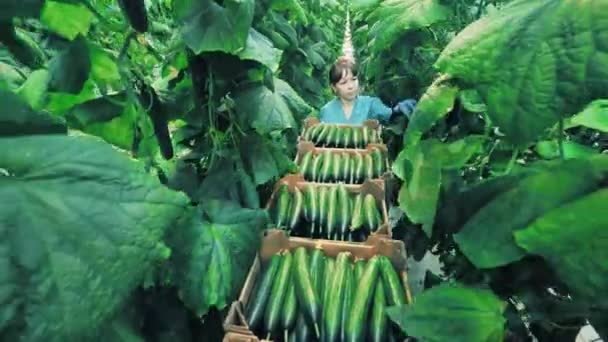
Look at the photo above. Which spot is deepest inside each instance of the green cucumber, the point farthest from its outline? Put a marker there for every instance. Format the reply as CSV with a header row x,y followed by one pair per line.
x,y
312,207
365,132
335,138
305,292
349,294
395,293
279,291
317,165
317,271
330,264
359,268
373,138
306,164
326,170
347,136
257,304
303,333
357,319
307,134
297,205
359,167
333,130
352,169
345,169
290,309
356,137
368,167
332,212
135,11
323,131
378,322
283,206
344,206
315,131
378,162
370,211
323,207
333,307
357,216
336,167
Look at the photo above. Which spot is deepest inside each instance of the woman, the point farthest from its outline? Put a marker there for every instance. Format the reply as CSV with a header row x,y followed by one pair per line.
x,y
351,108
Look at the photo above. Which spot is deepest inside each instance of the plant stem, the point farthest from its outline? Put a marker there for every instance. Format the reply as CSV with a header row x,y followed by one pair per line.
x,y
560,138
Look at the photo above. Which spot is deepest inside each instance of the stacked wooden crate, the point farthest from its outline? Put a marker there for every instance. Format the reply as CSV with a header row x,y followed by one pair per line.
x,y
335,204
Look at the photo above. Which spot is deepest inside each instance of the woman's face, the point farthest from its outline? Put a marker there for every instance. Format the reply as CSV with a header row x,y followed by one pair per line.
x,y
347,87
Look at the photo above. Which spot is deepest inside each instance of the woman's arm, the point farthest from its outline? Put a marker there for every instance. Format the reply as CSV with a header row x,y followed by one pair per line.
x,y
379,110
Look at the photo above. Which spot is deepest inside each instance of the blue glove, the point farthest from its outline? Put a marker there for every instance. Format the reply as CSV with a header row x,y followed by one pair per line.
x,y
406,107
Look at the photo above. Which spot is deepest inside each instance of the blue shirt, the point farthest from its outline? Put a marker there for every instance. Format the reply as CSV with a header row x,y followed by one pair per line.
x,y
364,108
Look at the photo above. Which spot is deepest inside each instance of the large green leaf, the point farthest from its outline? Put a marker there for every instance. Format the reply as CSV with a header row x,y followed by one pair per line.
x,y
298,106
437,101
68,19
533,61
20,8
574,239
550,150
103,65
208,26
263,110
101,109
33,90
263,159
117,128
453,313
240,188
487,238
594,116
393,18
211,256
81,224
452,155
260,49
60,103
69,69
419,195
17,118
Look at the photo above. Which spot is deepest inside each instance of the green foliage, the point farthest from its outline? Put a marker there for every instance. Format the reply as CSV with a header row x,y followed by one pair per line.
x,y
548,46
570,238
208,26
516,208
453,312
226,237
80,220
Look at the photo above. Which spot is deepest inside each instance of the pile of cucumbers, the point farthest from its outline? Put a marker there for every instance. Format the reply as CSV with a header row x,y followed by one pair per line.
x,y
331,135
302,296
327,212
341,166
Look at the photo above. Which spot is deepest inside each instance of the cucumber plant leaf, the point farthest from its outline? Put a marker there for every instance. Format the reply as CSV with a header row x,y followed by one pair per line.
x,y
452,313
594,116
210,254
17,118
68,19
393,18
20,8
574,240
531,61
207,25
59,246
493,225
263,110
260,49
70,68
